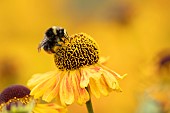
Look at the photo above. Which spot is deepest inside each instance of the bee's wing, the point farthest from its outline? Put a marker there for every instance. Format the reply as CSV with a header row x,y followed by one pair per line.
x,y
42,43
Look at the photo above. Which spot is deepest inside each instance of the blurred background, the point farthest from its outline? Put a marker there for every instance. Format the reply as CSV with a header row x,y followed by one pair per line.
x,y
135,34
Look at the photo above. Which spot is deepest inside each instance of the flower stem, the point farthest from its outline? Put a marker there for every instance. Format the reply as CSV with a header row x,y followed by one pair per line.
x,y
89,104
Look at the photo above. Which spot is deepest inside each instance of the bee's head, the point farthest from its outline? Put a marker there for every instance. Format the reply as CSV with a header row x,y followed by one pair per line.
x,y
50,33
55,32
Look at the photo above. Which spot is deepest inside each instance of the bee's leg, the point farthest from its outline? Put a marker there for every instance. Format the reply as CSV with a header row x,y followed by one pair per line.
x,y
52,50
65,38
57,53
57,44
62,40
48,49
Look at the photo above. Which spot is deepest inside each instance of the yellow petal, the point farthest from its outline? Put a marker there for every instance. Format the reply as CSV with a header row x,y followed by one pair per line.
x,y
41,87
113,72
94,72
39,78
87,73
84,79
49,108
81,95
66,91
103,60
94,89
53,90
111,80
102,86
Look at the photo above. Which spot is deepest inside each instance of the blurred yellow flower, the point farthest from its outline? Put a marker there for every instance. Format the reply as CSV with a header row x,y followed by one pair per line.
x,y
16,99
156,99
79,73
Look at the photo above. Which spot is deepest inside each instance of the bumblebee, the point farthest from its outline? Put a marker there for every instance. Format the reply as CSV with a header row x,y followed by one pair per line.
x,y
52,37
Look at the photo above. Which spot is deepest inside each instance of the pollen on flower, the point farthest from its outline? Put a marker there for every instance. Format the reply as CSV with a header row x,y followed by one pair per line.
x,y
78,51
14,95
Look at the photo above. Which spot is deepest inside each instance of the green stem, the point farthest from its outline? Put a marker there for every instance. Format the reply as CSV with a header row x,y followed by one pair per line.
x,y
89,104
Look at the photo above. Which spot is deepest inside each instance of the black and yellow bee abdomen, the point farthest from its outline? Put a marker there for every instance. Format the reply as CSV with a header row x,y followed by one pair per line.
x,y
78,51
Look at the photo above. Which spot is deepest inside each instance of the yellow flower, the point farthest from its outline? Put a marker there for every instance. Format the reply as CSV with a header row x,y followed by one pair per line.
x,y
78,74
16,99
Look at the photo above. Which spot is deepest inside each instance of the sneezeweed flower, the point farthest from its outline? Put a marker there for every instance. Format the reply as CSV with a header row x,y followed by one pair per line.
x,y
17,99
79,72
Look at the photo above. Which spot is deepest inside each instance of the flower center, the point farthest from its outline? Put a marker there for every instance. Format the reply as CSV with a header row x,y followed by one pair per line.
x,y
17,91
78,51
14,95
